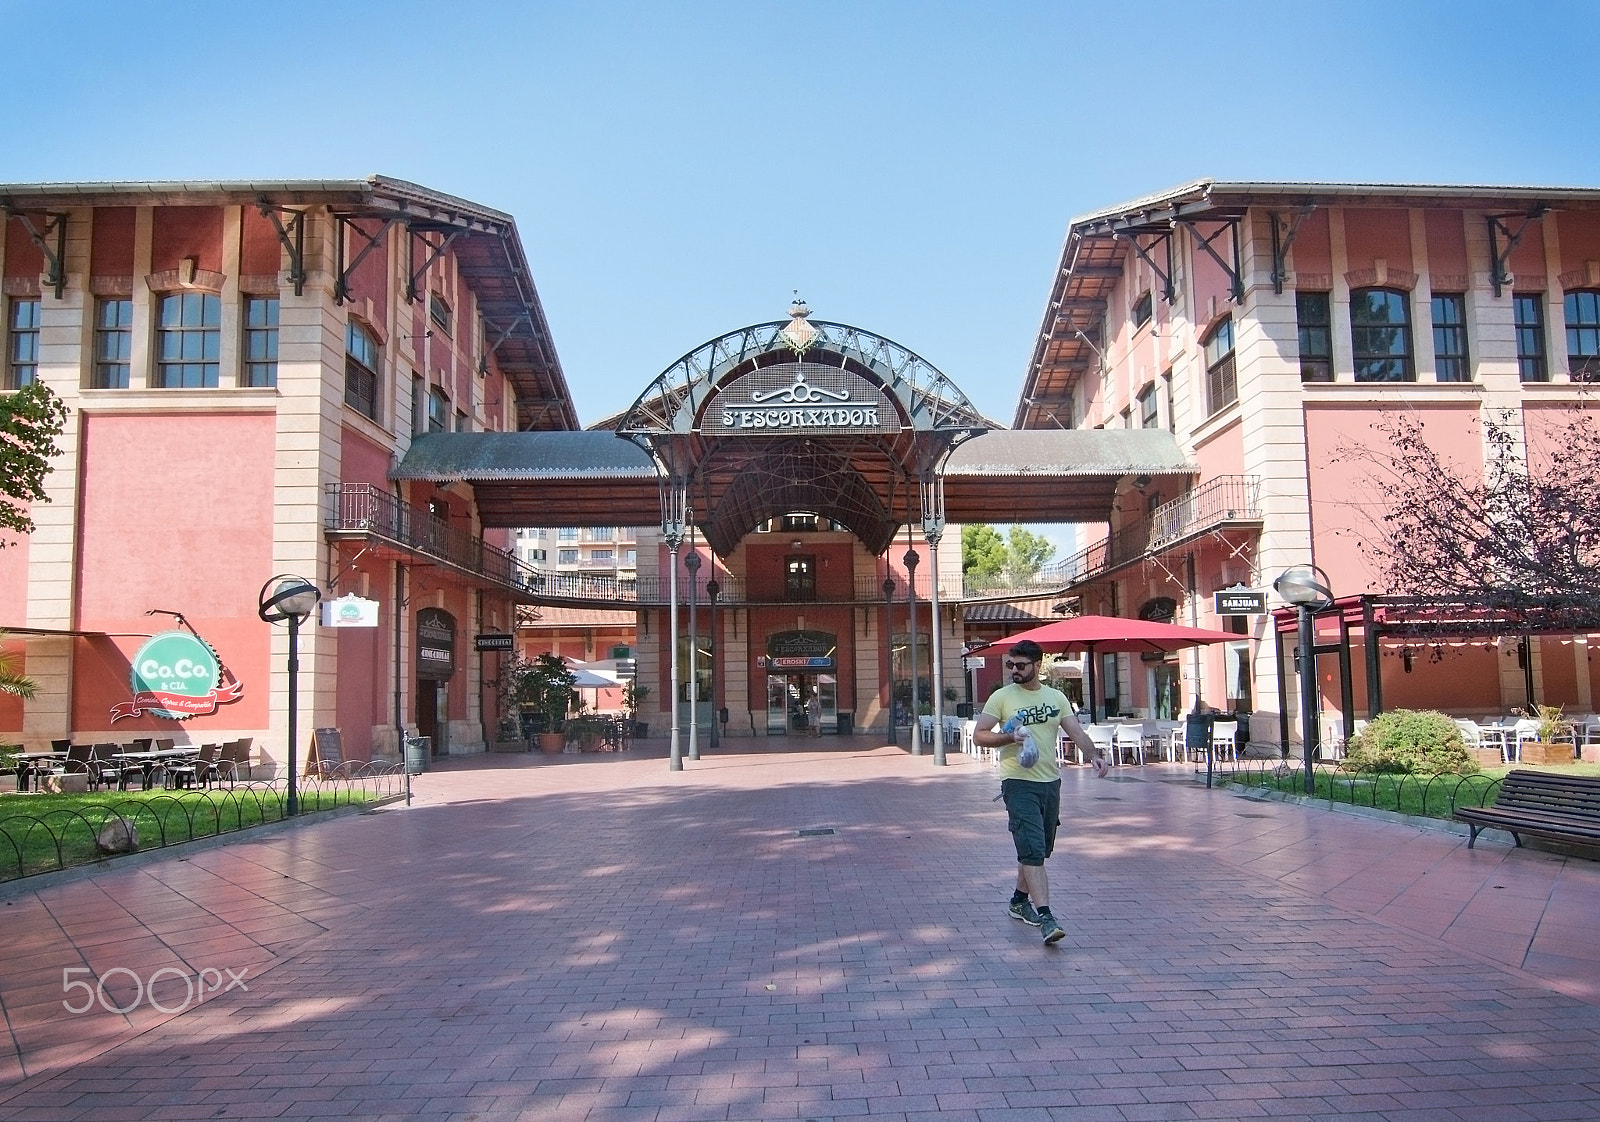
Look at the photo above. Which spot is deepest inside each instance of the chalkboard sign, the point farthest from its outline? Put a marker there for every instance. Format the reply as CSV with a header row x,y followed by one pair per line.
x,y
326,755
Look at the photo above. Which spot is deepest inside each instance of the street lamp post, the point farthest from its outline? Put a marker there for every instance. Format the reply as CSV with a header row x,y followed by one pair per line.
x,y
692,563
290,599
911,560
888,645
1306,587
712,591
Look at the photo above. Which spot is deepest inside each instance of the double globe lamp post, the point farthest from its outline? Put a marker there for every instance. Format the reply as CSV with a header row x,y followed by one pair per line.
x,y
290,599
1306,587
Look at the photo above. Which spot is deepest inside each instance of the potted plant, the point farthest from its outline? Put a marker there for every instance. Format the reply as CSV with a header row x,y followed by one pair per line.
x,y
546,686
586,731
1555,745
633,699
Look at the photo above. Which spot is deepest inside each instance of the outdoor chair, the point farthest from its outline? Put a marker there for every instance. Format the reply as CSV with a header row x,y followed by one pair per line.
x,y
1128,739
106,770
1225,740
1105,741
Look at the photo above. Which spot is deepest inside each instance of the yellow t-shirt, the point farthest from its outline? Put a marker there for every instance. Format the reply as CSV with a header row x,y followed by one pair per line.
x,y
1041,710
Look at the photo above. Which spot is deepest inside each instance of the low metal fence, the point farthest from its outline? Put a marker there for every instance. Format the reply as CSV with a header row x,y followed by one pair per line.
x,y
1429,796
41,833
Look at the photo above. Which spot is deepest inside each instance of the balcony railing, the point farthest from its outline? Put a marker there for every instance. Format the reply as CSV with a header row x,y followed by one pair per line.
x,y
367,508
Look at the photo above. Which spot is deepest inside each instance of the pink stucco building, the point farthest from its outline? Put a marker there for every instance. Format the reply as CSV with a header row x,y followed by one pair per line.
x,y
1266,325
243,363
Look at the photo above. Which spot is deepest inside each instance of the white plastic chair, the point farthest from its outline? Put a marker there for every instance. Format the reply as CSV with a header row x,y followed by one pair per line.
x,y
1225,740
925,724
1129,741
1105,741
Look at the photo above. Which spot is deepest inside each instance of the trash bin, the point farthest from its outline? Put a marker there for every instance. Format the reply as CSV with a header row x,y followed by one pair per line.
x,y
846,724
418,749
1197,730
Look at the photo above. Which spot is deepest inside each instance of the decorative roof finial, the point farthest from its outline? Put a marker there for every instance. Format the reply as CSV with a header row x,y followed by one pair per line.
x,y
799,335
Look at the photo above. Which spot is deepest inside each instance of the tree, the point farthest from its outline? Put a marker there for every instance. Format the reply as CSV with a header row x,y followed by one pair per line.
x,y
31,420
1026,554
988,558
1520,536
983,553
12,680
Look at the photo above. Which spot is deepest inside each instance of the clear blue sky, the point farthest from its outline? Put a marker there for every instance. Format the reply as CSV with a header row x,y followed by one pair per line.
x,y
678,170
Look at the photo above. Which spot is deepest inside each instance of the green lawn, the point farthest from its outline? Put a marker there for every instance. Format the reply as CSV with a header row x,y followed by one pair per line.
x,y
1428,796
41,832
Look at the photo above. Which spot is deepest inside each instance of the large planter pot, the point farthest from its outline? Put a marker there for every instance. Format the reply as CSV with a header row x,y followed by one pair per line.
x,y
1540,752
1488,757
552,743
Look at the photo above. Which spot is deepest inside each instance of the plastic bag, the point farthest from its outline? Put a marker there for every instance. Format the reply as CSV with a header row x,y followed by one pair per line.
x,y
1030,750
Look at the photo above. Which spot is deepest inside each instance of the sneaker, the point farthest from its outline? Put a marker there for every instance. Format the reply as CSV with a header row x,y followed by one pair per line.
x,y
1101,768
1023,910
1051,930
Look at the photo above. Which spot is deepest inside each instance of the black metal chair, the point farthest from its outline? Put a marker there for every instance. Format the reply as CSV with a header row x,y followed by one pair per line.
x,y
106,769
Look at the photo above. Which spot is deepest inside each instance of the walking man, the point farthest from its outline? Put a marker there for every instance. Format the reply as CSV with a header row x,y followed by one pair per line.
x,y
1021,722
814,712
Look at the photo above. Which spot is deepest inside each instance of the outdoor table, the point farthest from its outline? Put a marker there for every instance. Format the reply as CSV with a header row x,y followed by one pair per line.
x,y
27,764
149,760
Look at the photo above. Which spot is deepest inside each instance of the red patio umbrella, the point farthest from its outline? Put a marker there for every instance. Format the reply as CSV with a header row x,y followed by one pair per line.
x,y
1114,633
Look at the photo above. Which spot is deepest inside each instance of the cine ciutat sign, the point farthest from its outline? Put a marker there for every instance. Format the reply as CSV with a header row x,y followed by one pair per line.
x,y
176,675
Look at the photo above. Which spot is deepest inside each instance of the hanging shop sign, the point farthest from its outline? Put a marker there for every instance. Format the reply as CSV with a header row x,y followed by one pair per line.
x,y
802,650
494,642
436,644
1240,601
800,662
176,675
350,611
794,397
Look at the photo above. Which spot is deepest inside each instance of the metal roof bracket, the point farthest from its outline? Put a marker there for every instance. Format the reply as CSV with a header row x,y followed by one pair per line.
x,y
1500,275
434,253
292,237
1283,235
55,273
341,284
1168,293
1235,277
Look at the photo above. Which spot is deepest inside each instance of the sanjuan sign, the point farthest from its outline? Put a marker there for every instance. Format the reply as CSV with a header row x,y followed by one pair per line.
x,y
176,675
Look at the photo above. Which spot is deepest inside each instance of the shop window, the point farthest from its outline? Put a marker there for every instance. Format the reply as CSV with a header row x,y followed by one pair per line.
x,y
1222,381
361,370
22,343
260,341
1583,335
1450,337
1380,335
188,340
1315,322
113,343
1527,315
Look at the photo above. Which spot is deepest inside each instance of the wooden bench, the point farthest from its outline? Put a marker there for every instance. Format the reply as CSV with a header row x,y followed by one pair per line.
x,y
1563,807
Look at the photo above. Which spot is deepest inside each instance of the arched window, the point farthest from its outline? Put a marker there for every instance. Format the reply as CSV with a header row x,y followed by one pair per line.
x,y
361,365
1222,381
1380,335
1583,334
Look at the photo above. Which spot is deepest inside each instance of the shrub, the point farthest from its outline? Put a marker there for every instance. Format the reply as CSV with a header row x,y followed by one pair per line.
x,y
1411,741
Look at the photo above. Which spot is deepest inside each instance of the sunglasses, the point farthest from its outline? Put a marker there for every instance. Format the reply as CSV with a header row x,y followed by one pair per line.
x,y
1017,665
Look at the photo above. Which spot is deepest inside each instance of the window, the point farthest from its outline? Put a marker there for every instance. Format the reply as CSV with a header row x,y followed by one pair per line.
x,y
22,351
630,557
602,556
566,557
113,343
438,410
800,578
462,424
1149,408
188,340
1583,335
1222,383
799,522
567,534
260,341
1142,308
1527,314
419,392
1312,315
602,533
1380,335
361,370
1450,337
439,313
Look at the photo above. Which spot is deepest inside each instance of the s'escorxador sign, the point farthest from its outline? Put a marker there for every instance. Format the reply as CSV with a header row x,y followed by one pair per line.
x,y
176,675
795,397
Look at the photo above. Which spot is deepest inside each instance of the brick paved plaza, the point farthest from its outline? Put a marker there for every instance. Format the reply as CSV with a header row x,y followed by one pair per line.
x,y
599,938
